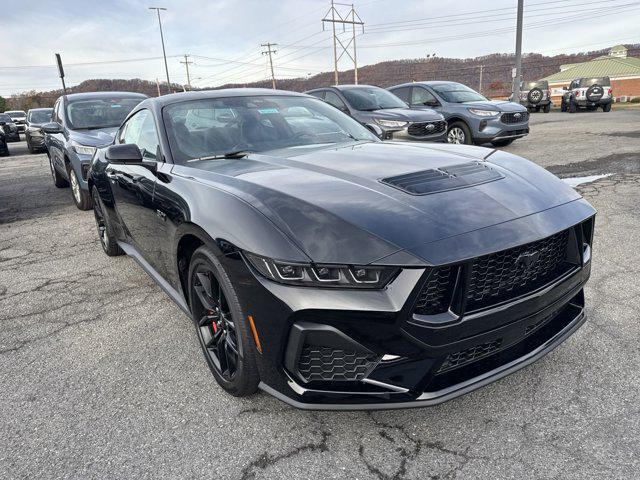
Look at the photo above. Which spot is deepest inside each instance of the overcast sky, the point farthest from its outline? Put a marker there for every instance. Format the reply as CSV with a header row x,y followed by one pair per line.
x,y
228,31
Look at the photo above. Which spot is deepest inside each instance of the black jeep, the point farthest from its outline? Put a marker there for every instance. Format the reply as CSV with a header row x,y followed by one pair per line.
x,y
589,93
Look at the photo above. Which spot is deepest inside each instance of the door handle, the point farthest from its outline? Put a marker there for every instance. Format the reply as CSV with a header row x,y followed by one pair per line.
x,y
111,174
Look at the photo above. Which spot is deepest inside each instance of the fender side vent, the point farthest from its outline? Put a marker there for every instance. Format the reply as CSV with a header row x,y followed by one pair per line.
x,y
437,180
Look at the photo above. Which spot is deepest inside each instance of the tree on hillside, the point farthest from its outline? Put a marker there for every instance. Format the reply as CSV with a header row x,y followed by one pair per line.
x,y
3,104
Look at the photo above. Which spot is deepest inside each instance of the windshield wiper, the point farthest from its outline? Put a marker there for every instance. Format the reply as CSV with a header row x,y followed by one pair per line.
x,y
234,154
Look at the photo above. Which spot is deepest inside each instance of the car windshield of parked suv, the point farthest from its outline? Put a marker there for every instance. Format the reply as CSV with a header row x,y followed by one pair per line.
x,y
457,93
603,81
531,85
372,98
16,113
5,118
40,116
94,113
202,129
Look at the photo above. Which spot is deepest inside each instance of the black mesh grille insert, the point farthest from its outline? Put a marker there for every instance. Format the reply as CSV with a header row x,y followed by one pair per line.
x,y
329,364
470,354
507,274
423,129
435,296
514,117
443,179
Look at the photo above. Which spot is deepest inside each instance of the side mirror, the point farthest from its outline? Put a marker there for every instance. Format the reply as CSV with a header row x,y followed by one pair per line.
x,y
375,129
432,103
52,128
124,153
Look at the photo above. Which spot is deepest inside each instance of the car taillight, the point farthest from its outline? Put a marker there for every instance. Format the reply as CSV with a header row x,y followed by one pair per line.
x,y
577,93
610,91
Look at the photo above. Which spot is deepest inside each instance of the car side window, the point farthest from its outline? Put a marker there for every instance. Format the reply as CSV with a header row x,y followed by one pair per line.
x,y
422,96
56,112
319,94
402,93
140,130
333,99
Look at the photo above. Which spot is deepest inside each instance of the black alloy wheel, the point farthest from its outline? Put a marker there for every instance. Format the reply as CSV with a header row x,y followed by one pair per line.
x,y
105,234
223,335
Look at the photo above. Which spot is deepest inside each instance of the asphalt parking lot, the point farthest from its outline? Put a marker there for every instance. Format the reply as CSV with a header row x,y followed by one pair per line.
x,y
101,375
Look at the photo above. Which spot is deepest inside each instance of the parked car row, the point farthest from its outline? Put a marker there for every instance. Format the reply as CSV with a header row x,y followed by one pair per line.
x,y
15,121
318,262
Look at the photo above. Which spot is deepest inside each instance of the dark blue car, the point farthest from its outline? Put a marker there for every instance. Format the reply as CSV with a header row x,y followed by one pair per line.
x,y
82,122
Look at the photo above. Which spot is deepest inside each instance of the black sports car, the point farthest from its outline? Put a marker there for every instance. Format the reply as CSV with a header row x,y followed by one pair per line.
x,y
334,270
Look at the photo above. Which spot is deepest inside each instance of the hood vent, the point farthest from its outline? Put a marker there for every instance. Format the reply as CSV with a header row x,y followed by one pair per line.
x,y
443,179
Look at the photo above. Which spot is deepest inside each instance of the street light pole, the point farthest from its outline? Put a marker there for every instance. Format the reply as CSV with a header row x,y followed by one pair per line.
x,y
164,53
518,73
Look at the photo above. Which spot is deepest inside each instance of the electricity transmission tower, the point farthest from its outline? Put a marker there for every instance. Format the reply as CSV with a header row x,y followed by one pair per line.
x,y
270,52
351,17
186,63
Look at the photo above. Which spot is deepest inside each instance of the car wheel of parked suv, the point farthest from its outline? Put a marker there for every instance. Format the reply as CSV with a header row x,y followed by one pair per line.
x,y
459,133
58,181
221,326
563,106
80,196
105,232
546,108
573,107
606,108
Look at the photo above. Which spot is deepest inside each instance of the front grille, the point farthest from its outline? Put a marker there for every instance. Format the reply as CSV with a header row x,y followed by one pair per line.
x,y
329,364
471,354
424,129
435,296
507,274
495,278
514,117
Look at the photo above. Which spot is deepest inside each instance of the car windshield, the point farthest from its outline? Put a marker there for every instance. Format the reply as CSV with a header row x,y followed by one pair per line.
x,y
372,98
40,116
587,82
458,93
16,113
531,85
5,118
94,113
202,129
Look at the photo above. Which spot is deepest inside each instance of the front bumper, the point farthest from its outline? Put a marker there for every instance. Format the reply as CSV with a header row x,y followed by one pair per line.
x,y
36,138
394,358
487,130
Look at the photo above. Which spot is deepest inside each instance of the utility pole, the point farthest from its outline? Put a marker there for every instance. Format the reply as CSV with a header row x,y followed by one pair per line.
x,y
158,85
352,18
164,53
480,84
270,52
518,70
186,64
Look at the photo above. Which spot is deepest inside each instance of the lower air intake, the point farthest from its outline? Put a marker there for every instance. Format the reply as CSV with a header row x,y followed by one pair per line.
x,y
468,355
329,364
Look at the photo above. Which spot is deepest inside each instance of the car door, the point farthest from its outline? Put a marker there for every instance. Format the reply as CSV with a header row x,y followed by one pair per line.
x,y
333,99
421,97
56,141
133,185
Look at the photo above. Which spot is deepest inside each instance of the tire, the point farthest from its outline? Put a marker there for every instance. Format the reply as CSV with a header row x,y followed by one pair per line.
x,y
58,180
217,304
594,93
81,197
458,133
546,108
4,152
573,108
105,230
563,106
29,146
606,107
537,108
502,143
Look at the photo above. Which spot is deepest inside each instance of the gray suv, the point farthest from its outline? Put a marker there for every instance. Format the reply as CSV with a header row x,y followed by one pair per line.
x,y
472,118
384,113
82,122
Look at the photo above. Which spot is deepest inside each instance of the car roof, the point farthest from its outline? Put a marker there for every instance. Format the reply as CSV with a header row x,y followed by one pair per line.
x,y
427,82
45,109
14,111
222,93
97,95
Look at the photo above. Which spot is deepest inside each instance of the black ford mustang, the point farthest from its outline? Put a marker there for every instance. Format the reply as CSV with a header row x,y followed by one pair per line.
x,y
333,270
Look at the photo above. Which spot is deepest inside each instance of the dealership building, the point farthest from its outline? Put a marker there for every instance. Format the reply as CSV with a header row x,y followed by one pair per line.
x,y
623,70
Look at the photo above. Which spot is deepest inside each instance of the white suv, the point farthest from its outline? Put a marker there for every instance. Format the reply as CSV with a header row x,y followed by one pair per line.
x,y
589,93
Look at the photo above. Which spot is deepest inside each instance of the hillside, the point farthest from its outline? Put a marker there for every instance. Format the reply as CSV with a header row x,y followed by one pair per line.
x,y
496,76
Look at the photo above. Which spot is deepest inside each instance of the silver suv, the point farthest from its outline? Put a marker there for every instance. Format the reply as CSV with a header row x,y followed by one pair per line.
x,y
536,96
589,93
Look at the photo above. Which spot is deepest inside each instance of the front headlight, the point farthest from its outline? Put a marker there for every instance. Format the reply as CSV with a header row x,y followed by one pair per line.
x,y
83,149
315,275
484,113
390,123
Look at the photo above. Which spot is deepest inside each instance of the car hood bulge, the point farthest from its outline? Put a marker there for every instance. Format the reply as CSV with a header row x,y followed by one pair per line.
x,y
408,115
332,204
94,138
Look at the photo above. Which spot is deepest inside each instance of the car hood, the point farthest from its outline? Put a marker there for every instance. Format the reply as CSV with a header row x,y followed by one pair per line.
x,y
407,114
94,138
332,204
501,105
